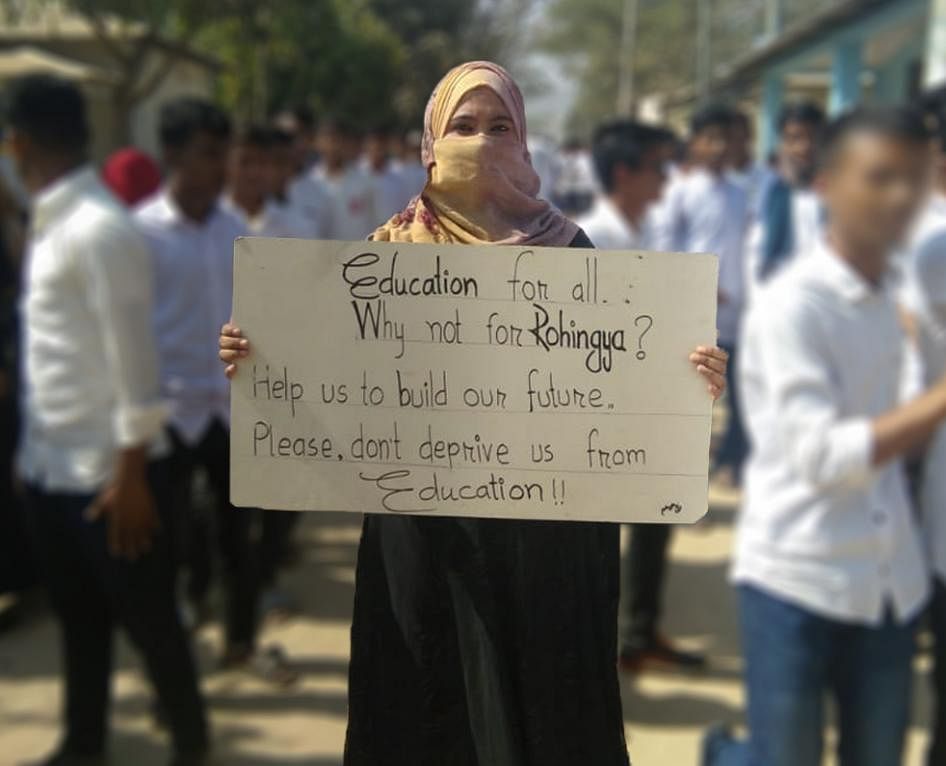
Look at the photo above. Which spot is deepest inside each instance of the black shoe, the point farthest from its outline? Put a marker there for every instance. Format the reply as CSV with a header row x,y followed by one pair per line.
x,y
659,654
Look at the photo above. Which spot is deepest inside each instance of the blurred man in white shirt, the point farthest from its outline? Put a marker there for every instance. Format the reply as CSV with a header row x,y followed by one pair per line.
x,y
351,211
744,171
93,422
191,238
790,220
408,165
303,193
705,212
631,161
631,167
927,299
828,562
249,183
575,186
391,195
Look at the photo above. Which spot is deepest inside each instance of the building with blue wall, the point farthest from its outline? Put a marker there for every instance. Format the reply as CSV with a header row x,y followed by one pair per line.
x,y
849,52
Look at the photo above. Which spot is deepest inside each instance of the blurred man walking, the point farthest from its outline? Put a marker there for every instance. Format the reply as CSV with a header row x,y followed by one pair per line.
x,y
92,426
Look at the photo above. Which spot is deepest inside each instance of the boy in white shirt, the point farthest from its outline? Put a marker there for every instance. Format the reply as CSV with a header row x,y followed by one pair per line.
x,y
790,217
97,495
927,296
191,237
249,182
749,175
829,564
631,161
705,212
391,195
352,215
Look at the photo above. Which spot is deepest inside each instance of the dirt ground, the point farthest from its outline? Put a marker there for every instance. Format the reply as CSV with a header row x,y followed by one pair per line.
x,y
255,725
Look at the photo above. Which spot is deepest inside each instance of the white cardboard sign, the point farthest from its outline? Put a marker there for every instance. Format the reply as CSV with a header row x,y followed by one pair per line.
x,y
512,382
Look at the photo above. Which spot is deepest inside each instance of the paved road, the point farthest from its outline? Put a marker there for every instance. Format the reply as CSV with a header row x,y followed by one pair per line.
x,y
256,726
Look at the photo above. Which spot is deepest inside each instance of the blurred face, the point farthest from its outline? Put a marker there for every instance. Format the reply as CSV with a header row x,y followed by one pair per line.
x,y
199,169
482,113
740,140
376,150
282,168
250,173
333,147
710,148
874,187
798,150
638,188
22,151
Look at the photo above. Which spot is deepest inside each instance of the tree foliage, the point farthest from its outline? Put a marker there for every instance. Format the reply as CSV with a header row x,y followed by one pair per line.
x,y
368,60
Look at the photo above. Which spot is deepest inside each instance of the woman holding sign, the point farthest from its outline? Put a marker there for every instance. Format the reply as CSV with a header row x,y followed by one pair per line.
x,y
484,642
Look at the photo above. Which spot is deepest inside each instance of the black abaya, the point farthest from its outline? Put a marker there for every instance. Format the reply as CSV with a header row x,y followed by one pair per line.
x,y
485,642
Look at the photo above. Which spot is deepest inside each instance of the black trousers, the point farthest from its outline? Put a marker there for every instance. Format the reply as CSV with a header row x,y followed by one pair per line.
x,y
276,529
937,755
17,569
644,568
234,527
92,592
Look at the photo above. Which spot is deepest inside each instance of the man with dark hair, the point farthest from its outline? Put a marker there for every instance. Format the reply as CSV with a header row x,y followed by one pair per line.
x,y
352,215
631,161
705,212
926,302
92,427
408,166
390,194
790,215
307,198
191,237
744,171
251,167
829,563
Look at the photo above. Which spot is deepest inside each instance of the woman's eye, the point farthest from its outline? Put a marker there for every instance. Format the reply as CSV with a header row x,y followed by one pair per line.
x,y
500,128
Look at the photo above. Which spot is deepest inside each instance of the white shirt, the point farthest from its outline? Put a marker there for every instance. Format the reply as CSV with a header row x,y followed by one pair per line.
x,y
352,215
927,274
413,177
310,202
807,231
390,194
273,220
90,372
608,229
706,213
193,265
752,180
820,527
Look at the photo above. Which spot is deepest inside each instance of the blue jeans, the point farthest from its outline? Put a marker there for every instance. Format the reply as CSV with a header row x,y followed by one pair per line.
x,y
793,659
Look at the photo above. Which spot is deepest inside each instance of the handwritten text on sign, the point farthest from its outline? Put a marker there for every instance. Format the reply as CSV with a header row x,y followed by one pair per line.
x,y
541,383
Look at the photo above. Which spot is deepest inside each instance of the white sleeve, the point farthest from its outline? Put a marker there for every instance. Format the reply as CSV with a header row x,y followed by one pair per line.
x,y
117,269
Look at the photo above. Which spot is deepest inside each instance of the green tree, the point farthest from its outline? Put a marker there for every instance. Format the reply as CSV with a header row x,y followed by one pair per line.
x,y
132,31
331,55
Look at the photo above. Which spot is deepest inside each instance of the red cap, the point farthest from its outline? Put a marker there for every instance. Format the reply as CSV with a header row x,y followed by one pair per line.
x,y
132,175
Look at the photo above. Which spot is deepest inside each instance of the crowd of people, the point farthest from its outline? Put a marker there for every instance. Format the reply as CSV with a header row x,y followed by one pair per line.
x,y
831,314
